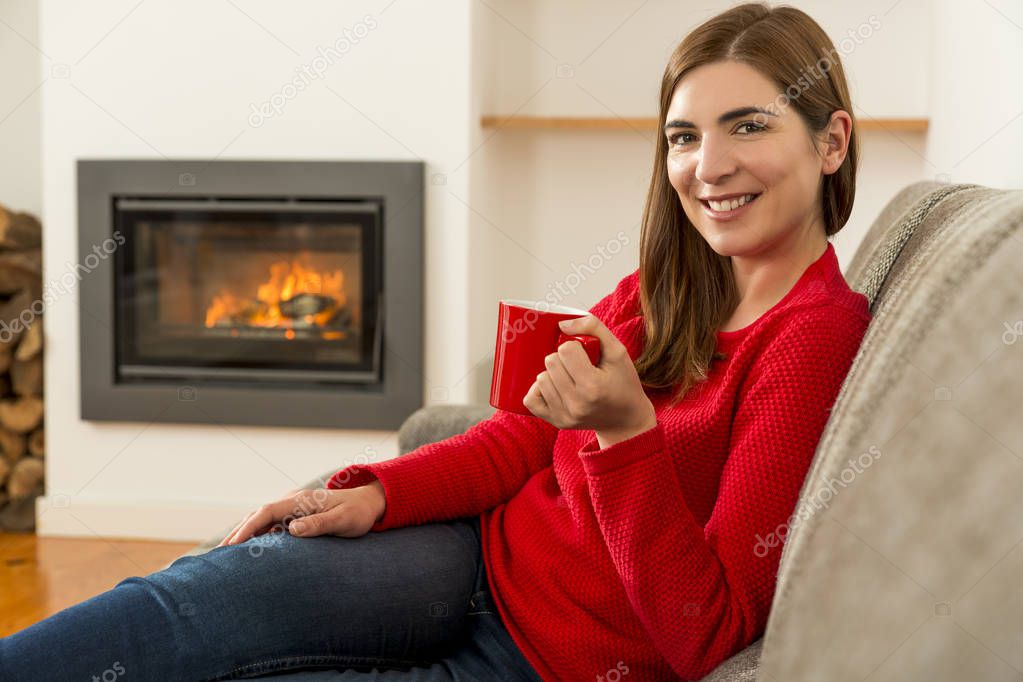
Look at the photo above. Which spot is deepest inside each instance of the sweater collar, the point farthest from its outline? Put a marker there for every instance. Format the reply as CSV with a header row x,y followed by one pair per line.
x,y
814,277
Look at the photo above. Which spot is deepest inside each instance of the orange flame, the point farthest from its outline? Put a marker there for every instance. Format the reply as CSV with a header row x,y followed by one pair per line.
x,y
286,281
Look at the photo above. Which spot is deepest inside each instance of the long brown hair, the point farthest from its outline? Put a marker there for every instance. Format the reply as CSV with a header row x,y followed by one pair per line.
x,y
687,290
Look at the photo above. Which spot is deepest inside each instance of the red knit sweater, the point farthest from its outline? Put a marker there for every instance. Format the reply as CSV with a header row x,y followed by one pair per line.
x,y
654,557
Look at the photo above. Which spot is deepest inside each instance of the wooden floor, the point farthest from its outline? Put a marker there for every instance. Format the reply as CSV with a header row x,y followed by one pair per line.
x,y
40,576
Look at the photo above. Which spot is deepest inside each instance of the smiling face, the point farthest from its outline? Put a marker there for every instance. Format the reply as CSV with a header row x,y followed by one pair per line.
x,y
720,147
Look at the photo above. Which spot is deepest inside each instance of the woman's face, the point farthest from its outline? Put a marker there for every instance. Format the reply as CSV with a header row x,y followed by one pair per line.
x,y
715,150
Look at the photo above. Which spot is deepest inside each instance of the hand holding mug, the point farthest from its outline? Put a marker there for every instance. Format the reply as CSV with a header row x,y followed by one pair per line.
x,y
608,398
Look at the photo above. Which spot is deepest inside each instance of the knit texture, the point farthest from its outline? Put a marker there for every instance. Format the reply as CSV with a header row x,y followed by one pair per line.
x,y
658,554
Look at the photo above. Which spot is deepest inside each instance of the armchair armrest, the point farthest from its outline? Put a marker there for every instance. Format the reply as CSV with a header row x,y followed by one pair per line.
x,y
438,422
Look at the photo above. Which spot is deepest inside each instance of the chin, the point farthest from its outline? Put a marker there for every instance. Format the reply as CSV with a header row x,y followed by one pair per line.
x,y
726,242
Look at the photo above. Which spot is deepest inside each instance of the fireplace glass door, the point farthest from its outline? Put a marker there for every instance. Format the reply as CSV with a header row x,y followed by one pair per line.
x,y
248,290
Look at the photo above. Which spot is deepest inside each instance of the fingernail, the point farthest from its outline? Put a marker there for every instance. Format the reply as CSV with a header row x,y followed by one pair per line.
x,y
565,324
297,527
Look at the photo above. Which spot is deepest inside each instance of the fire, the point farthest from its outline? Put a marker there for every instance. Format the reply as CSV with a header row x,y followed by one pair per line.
x,y
287,281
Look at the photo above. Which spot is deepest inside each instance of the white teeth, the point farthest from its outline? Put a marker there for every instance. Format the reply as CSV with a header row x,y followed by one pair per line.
x,y
730,204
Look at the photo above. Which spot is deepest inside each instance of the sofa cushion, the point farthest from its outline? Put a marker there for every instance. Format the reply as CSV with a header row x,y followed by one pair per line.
x,y
742,667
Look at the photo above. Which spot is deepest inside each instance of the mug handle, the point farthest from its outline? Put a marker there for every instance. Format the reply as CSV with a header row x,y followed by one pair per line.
x,y
591,344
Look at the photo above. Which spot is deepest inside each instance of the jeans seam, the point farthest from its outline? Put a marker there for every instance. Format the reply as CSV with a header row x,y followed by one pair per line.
x,y
284,662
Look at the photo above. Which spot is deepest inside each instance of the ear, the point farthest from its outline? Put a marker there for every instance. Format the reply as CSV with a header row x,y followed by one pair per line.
x,y
836,141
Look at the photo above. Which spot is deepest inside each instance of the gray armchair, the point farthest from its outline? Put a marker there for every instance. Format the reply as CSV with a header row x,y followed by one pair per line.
x,y
907,568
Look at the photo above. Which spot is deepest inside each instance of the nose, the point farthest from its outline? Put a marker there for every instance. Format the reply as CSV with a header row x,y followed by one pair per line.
x,y
715,162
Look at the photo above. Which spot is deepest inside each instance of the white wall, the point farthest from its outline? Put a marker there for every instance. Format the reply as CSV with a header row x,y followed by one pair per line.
x,y
20,82
547,202
176,79
509,213
976,132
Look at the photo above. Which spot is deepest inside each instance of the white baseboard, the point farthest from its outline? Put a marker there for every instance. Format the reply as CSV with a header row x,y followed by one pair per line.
x,y
146,520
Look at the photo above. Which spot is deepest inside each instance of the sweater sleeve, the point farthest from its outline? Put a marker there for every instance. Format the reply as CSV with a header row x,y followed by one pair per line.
x,y
477,470
704,593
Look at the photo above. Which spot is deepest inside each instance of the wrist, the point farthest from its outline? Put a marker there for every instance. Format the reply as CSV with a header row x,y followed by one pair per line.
x,y
381,496
608,437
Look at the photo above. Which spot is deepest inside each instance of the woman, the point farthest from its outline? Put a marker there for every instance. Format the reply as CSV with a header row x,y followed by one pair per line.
x,y
632,526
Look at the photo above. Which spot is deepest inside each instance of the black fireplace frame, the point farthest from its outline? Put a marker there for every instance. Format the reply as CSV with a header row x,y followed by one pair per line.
x,y
396,185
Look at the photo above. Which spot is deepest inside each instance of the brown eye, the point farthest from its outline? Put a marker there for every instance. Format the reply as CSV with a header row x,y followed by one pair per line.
x,y
756,126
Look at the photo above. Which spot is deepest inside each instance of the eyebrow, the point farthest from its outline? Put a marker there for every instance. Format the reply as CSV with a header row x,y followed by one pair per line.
x,y
723,118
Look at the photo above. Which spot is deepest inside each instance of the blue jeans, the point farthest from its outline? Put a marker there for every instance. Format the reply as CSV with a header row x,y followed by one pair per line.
x,y
403,604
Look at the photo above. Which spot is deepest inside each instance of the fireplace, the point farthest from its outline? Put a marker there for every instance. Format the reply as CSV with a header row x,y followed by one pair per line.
x,y
260,291
284,293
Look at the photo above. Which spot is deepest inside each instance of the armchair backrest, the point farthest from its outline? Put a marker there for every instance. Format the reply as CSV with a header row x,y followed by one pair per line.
x,y
902,557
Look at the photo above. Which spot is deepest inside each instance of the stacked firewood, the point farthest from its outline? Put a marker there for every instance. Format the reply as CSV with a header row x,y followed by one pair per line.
x,y
21,369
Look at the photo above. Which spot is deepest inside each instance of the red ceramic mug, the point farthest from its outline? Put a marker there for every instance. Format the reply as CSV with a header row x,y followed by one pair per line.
x,y
527,331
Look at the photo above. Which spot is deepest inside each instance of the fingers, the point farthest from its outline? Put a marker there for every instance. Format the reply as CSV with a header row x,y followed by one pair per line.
x,y
270,514
234,531
340,520
573,359
534,401
312,525
589,325
232,536
299,504
550,393
557,365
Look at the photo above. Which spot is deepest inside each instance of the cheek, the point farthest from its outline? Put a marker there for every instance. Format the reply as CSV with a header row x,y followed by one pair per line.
x,y
680,175
780,164
788,182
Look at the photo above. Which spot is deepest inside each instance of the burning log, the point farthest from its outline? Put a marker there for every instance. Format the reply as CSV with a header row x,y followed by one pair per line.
x,y
306,305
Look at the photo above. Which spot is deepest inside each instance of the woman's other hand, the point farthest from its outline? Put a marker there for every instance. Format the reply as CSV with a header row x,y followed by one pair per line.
x,y
347,513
